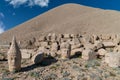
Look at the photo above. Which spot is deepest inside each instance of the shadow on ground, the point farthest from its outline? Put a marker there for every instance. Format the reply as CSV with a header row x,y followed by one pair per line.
x,y
3,60
77,54
46,62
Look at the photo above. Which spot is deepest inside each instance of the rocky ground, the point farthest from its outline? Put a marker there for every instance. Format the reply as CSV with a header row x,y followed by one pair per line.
x,y
69,57
52,69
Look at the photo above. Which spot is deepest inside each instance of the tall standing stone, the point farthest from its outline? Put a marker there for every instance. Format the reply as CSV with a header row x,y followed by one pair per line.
x,y
14,56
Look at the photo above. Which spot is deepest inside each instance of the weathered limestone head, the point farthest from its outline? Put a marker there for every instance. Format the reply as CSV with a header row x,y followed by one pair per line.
x,y
14,56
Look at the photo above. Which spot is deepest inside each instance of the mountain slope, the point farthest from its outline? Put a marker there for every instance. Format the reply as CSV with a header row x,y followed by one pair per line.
x,y
68,18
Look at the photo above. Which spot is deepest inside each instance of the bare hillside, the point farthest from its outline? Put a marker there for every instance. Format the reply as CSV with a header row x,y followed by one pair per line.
x,y
68,18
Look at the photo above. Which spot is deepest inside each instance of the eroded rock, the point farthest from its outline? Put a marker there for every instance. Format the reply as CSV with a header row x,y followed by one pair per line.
x,y
88,54
14,56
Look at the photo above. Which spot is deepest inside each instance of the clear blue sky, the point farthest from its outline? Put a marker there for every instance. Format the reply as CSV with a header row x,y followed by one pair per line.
x,y
15,12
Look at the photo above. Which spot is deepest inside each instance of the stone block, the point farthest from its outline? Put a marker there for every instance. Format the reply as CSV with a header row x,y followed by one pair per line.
x,y
66,35
65,45
65,54
43,44
113,59
26,53
88,54
98,44
108,44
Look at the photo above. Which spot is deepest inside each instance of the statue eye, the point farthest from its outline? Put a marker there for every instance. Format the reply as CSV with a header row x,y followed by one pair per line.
x,y
12,58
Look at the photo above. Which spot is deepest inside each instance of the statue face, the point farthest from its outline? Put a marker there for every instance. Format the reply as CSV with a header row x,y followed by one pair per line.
x,y
13,60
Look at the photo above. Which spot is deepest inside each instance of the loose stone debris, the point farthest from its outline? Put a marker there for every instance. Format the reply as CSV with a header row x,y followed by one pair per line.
x,y
64,47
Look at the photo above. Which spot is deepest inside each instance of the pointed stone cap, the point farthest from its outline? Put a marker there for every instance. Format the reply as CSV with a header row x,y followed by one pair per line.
x,y
14,49
14,56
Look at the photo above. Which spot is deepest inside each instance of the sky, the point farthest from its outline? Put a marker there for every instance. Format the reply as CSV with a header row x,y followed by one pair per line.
x,y
15,12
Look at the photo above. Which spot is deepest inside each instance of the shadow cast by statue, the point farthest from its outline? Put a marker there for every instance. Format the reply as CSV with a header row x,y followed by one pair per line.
x,y
77,54
3,60
46,62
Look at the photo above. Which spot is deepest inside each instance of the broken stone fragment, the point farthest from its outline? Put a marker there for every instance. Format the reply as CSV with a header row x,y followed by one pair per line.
x,y
43,49
72,35
26,53
48,37
76,46
102,52
2,56
89,46
117,49
108,56
98,44
88,54
65,54
105,37
37,43
53,37
42,38
53,54
54,47
65,45
37,58
44,44
14,56
75,41
108,44
66,36
112,59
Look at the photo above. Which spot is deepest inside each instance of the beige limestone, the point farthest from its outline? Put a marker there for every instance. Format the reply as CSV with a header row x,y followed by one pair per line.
x,y
112,59
65,54
88,54
102,52
26,53
108,44
54,47
14,56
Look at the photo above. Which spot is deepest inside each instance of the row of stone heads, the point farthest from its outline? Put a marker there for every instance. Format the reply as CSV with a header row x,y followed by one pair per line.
x,y
72,38
53,36
90,51
53,41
